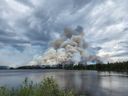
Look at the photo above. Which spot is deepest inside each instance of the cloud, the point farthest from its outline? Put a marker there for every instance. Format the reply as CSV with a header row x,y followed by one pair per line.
x,y
36,23
26,2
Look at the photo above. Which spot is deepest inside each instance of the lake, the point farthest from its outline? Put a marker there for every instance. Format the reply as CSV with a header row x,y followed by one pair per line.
x,y
92,83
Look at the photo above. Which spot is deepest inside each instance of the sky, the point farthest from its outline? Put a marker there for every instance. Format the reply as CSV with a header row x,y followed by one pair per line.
x,y
27,27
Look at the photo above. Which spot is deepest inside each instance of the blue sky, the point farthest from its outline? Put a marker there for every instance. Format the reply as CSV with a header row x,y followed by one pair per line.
x,y
27,27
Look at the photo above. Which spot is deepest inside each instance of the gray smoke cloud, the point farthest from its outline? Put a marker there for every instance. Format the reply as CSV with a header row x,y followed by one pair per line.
x,y
70,47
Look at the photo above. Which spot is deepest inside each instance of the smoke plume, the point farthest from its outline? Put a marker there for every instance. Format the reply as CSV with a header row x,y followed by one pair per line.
x,y
70,47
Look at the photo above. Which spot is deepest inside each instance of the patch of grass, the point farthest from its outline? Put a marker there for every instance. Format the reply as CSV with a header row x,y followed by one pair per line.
x,y
48,87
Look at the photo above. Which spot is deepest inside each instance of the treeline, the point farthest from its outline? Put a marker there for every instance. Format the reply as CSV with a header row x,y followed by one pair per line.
x,y
59,66
71,67
4,67
117,66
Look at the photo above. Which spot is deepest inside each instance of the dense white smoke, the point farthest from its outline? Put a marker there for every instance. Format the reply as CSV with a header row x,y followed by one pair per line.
x,y
70,47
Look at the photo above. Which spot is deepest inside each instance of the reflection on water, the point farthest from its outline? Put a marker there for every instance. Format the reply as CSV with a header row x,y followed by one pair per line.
x,y
90,82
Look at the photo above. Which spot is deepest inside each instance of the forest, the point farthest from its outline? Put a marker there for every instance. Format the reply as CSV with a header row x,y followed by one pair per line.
x,y
116,66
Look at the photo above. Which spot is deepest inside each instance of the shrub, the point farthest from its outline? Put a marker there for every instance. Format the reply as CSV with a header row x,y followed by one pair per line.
x,y
48,87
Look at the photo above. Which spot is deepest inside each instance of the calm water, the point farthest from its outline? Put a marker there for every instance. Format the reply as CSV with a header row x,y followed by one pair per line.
x,y
91,82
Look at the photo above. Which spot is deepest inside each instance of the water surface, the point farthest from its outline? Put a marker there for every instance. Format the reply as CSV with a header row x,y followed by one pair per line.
x,y
83,82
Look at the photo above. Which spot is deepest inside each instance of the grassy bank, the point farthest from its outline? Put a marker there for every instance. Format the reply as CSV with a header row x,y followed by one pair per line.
x,y
48,87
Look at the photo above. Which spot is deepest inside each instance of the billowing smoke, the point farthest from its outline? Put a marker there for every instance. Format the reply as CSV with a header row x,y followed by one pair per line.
x,y
69,48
